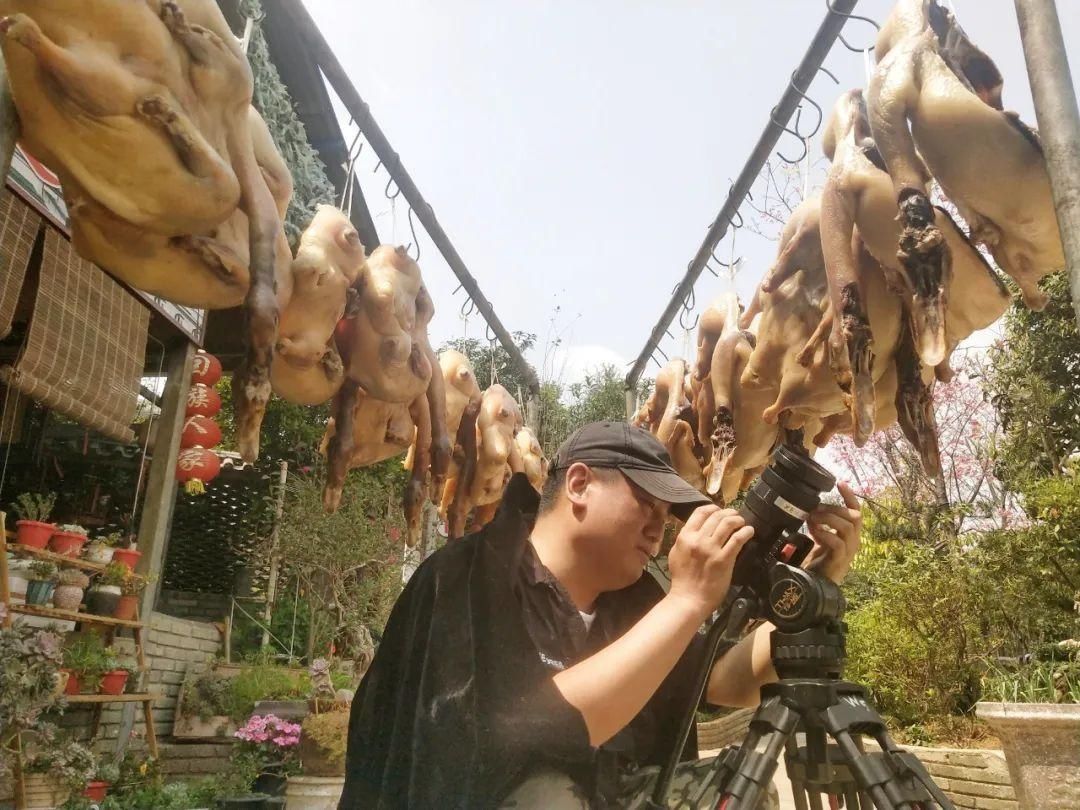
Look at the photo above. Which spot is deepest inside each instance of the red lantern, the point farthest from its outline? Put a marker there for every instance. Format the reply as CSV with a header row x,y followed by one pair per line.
x,y
200,431
195,467
206,369
202,400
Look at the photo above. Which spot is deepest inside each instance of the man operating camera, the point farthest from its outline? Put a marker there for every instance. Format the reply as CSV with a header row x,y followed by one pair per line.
x,y
536,664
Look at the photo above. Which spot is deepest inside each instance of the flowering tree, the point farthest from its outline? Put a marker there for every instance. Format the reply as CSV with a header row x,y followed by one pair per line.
x,y
887,473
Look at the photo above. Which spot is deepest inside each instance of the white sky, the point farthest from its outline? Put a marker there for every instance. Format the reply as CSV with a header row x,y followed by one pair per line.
x,y
575,152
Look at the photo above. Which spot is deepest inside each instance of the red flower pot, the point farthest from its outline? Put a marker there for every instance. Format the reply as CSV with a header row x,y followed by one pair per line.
x,y
113,682
72,687
127,557
67,543
95,791
33,533
125,608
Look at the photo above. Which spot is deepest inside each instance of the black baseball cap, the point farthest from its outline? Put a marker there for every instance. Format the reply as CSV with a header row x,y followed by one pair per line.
x,y
635,453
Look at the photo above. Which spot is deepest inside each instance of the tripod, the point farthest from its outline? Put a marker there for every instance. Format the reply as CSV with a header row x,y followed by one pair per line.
x,y
808,650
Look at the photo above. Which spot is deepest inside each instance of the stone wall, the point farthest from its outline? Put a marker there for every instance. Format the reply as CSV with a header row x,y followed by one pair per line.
x,y
204,607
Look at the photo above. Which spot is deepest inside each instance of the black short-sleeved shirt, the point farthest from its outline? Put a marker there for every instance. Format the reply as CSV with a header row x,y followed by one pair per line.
x,y
459,704
561,638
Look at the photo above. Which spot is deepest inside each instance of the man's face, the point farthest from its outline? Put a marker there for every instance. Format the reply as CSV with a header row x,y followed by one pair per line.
x,y
623,527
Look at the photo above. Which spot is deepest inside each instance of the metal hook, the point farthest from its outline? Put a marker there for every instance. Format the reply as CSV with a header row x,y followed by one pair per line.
x,y
682,320
816,106
828,73
489,334
415,241
849,16
779,154
386,191
468,309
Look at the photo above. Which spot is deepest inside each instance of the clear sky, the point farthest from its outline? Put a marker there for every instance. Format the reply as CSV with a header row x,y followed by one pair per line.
x,y
576,152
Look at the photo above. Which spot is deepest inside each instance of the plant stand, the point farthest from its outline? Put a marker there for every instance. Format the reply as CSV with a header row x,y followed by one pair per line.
x,y
1042,748
96,701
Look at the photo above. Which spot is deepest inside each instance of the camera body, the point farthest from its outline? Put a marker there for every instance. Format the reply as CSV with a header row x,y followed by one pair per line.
x,y
776,506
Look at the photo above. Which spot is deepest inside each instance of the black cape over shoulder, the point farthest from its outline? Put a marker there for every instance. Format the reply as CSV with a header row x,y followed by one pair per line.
x,y
457,706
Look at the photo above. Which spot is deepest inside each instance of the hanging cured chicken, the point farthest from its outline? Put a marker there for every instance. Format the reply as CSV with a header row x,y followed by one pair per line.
x,y
986,160
143,110
307,368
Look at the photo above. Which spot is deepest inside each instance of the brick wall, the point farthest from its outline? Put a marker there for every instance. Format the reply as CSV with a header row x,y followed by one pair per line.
x,y
205,607
722,732
973,778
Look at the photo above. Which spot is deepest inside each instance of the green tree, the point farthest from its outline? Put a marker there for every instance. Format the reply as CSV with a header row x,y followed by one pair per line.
x,y
1034,384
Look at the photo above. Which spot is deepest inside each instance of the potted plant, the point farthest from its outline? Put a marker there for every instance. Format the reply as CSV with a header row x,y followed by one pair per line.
x,y
272,741
322,758
100,549
54,769
31,659
33,528
68,540
130,591
86,655
113,681
1035,711
203,707
42,581
70,585
132,682
127,552
105,593
107,774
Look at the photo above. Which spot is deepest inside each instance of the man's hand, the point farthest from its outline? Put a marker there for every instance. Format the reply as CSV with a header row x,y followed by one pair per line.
x,y
703,557
835,531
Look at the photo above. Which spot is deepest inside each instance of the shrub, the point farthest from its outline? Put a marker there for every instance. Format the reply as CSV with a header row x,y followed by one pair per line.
x,y
34,506
322,743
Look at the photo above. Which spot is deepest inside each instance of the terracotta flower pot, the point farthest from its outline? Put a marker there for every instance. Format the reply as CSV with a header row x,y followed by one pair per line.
x,y
72,685
62,678
39,592
67,544
33,533
113,682
102,600
125,608
95,791
67,597
97,553
127,556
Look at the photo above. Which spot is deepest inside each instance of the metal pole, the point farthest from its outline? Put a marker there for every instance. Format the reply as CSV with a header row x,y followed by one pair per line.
x,y
1059,122
361,114
271,587
800,81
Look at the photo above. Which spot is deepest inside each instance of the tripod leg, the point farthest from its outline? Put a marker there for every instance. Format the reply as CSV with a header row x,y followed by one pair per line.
x,y
750,772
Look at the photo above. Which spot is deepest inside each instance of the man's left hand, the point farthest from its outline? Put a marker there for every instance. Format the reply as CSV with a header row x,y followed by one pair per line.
x,y
835,531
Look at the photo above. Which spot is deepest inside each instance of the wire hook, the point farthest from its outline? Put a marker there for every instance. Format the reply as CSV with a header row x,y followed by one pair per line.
x,y
468,309
415,241
789,131
849,16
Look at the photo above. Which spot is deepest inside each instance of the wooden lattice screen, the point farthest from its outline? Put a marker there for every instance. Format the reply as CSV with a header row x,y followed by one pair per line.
x,y
84,354
19,226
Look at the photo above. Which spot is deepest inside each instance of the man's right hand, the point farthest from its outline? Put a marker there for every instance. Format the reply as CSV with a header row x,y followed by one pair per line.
x,y
703,558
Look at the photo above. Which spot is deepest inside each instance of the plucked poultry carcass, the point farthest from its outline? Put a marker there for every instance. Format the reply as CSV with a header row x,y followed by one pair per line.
x,y
496,458
386,355
668,415
307,368
143,111
380,430
941,311
987,161
533,460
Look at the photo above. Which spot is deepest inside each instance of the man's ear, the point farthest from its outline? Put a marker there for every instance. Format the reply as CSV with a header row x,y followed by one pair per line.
x,y
578,478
